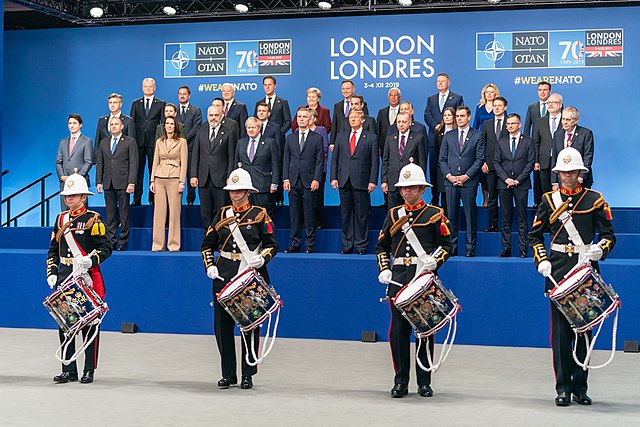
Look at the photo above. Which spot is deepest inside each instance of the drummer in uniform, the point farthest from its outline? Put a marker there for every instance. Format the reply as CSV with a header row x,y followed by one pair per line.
x,y
87,229
571,215
432,230
258,232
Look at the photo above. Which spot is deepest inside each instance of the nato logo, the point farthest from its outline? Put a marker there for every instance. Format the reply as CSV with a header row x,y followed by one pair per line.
x,y
179,59
493,50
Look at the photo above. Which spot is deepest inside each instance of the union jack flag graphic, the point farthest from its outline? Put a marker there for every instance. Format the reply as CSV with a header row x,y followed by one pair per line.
x,y
604,51
274,60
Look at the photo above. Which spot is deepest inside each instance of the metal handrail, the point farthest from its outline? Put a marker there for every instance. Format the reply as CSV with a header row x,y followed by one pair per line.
x,y
43,203
4,172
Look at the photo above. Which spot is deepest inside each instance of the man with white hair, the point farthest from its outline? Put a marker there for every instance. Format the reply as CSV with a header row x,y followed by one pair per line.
x,y
575,136
233,108
571,215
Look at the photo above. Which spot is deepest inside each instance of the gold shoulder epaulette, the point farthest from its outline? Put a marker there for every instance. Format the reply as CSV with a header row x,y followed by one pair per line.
x,y
225,221
597,204
436,216
558,210
398,224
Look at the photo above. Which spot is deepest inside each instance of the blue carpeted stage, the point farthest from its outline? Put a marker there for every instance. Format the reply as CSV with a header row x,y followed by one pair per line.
x,y
325,295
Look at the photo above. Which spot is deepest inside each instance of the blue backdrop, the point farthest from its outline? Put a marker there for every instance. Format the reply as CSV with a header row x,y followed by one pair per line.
x,y
51,73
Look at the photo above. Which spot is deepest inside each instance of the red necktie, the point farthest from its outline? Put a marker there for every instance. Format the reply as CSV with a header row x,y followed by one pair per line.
x,y
226,109
569,140
72,144
402,146
352,142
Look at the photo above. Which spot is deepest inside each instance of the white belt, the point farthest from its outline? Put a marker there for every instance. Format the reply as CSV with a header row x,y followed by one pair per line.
x,y
570,249
406,260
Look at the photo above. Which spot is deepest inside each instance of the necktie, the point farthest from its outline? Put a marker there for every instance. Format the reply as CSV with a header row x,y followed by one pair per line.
x,y
498,128
442,101
347,108
303,138
461,141
513,147
113,144
72,144
212,134
226,109
269,102
402,146
554,126
569,139
544,109
352,142
148,106
392,114
252,150
264,129
184,111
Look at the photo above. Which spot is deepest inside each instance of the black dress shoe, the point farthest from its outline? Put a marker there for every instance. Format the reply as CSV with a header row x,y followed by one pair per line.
x,y
136,204
87,377
227,382
309,251
582,399
399,390
523,254
563,399
425,390
470,254
491,229
361,252
65,377
122,248
535,206
247,383
346,252
506,253
190,204
292,249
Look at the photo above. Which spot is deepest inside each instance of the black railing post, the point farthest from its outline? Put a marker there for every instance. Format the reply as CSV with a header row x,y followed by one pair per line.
x,y
42,197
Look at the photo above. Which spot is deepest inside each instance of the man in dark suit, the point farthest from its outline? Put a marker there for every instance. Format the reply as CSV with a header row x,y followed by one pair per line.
x,y
213,153
543,132
387,117
407,146
279,107
432,117
369,125
341,109
234,109
461,157
116,174
147,113
226,122
260,156
302,168
514,157
535,111
75,154
578,137
492,130
354,171
272,130
191,117
103,129
407,107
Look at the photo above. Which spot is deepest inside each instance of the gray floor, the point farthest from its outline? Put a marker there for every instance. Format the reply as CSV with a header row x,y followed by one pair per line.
x,y
169,380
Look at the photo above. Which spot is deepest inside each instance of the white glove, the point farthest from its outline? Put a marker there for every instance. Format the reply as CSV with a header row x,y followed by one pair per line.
x,y
385,277
544,268
594,253
255,261
84,262
429,263
212,273
51,280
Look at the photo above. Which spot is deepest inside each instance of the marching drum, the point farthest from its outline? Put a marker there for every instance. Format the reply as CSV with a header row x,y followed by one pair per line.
x,y
249,300
584,298
426,304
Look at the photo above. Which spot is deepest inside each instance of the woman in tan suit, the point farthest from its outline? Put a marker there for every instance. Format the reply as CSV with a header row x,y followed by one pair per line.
x,y
167,182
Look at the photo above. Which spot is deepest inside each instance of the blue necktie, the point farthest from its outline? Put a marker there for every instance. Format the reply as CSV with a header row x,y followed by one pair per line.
x,y
147,107
113,144
252,150
513,147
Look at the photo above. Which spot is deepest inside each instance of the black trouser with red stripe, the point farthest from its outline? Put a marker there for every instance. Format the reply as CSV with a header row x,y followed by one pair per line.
x,y
90,354
400,340
223,326
570,378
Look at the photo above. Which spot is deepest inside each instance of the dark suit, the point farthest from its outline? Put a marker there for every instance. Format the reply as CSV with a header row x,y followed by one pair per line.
x,y
280,113
300,167
533,115
145,125
468,162
339,120
212,164
517,166
238,112
354,173
272,130
264,169
369,125
103,131
191,119
433,117
415,126
115,172
581,140
232,126
392,162
490,142
81,158
383,126
543,140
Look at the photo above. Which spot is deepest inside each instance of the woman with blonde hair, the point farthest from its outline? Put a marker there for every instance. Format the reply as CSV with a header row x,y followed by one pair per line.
x,y
484,110
313,102
168,176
